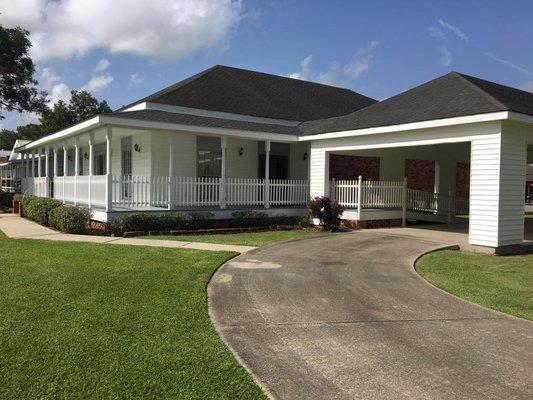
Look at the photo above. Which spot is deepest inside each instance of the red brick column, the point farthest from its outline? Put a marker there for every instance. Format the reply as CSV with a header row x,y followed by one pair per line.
x,y
350,167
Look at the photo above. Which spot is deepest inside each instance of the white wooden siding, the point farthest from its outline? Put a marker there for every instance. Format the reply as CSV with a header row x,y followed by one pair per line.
x,y
298,166
319,171
245,166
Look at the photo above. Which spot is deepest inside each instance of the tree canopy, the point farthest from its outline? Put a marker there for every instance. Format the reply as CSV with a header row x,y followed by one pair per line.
x,y
18,89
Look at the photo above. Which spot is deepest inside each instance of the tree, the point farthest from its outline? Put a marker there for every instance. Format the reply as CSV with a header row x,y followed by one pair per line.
x,y
29,132
7,139
18,89
56,118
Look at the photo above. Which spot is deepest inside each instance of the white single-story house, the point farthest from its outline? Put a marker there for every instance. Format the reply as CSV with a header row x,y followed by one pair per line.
x,y
228,139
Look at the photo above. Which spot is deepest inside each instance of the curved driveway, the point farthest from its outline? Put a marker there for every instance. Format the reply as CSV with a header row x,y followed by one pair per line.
x,y
347,317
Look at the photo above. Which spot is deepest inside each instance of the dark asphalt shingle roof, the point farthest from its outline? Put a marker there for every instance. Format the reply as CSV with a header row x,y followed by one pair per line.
x,y
195,120
239,91
451,95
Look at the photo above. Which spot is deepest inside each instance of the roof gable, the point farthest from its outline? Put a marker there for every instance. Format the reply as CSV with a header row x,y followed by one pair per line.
x,y
239,91
451,95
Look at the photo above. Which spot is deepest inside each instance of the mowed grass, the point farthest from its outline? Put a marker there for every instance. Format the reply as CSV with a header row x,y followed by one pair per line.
x,y
80,321
246,239
500,283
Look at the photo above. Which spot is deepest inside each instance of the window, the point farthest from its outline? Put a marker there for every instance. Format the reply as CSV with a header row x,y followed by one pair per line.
x,y
209,157
99,159
279,160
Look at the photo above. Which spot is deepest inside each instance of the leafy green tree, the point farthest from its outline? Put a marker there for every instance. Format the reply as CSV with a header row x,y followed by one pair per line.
x,y
83,105
29,132
7,139
18,89
56,118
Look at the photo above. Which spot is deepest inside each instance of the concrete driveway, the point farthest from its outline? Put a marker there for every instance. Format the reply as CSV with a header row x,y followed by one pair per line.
x,y
347,317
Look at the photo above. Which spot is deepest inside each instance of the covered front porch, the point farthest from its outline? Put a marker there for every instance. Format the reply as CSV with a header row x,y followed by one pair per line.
x,y
122,169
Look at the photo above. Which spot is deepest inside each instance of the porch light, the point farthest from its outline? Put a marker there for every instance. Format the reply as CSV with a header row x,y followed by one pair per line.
x,y
305,156
86,156
137,147
241,151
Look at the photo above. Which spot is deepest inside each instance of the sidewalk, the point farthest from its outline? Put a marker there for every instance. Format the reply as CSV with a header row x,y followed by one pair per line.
x,y
20,228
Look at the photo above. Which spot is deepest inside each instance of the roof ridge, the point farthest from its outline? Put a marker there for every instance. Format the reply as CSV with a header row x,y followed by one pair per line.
x,y
493,99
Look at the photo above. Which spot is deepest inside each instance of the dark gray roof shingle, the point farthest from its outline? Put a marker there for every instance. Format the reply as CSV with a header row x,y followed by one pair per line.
x,y
451,95
195,120
239,91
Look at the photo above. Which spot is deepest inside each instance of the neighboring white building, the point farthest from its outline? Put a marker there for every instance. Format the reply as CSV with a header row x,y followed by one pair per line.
x,y
229,139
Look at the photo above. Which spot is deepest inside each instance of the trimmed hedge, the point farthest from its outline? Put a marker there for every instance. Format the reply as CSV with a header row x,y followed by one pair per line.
x,y
147,222
6,199
245,219
69,219
37,208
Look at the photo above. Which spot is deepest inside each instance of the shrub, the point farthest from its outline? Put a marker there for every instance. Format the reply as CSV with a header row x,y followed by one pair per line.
x,y
69,219
304,221
6,199
147,222
327,211
200,220
37,208
245,219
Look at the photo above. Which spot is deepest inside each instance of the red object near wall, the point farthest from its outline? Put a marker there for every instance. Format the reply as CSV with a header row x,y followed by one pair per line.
x,y
350,167
16,207
420,174
462,180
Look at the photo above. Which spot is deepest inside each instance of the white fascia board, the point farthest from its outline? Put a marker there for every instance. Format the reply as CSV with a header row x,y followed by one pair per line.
x,y
519,117
142,124
208,113
65,133
411,126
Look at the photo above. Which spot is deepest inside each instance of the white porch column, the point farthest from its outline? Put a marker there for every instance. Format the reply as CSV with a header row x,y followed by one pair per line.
x,y
33,164
91,144
76,168
223,185
109,176
267,175
497,188
318,172
171,181
436,185
46,173
27,165
65,167
54,194
39,162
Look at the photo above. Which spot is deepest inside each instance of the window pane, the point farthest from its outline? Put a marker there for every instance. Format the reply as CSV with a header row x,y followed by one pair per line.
x,y
209,157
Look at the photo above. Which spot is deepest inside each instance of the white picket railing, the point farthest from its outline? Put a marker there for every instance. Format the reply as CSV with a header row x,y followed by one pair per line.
x,y
245,191
288,192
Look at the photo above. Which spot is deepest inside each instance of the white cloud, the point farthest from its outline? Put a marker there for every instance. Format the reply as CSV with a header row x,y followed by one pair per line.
x,y
102,65
97,83
510,64
528,86
446,57
135,80
57,90
362,60
169,29
460,34
436,32
304,73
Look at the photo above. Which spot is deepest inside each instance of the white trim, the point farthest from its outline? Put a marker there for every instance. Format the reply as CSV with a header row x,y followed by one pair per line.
x,y
206,130
209,113
412,126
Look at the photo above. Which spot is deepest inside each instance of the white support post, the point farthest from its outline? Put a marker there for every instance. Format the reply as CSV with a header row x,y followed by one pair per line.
x,y
91,144
359,198
65,167
404,202
54,194
46,173
223,185
76,168
436,186
27,165
32,164
332,189
171,189
266,196
109,177
39,162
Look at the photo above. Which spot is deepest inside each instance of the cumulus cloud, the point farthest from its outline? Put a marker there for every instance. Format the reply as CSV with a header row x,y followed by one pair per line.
x,y
446,57
134,80
169,29
452,28
362,60
102,65
57,90
100,79
305,71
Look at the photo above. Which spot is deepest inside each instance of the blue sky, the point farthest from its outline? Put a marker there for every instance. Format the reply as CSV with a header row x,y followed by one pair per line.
x,y
377,48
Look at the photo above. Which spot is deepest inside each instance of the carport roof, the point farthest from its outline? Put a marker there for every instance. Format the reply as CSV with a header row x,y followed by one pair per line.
x,y
451,95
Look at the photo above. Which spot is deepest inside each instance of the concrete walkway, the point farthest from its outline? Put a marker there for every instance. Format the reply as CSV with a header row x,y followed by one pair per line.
x,y
16,227
347,317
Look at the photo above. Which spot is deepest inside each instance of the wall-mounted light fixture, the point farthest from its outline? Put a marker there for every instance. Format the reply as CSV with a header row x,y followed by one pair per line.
x,y
137,147
241,151
86,156
305,156
69,158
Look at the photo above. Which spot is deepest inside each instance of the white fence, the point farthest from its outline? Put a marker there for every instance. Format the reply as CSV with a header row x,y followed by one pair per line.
x,y
394,195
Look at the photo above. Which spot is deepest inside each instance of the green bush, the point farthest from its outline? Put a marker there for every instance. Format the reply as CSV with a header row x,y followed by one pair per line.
x,y
245,219
69,219
200,220
147,222
6,199
37,208
327,211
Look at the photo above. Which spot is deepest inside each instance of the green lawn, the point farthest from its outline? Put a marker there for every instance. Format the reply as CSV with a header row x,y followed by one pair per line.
x,y
99,321
500,283
247,239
